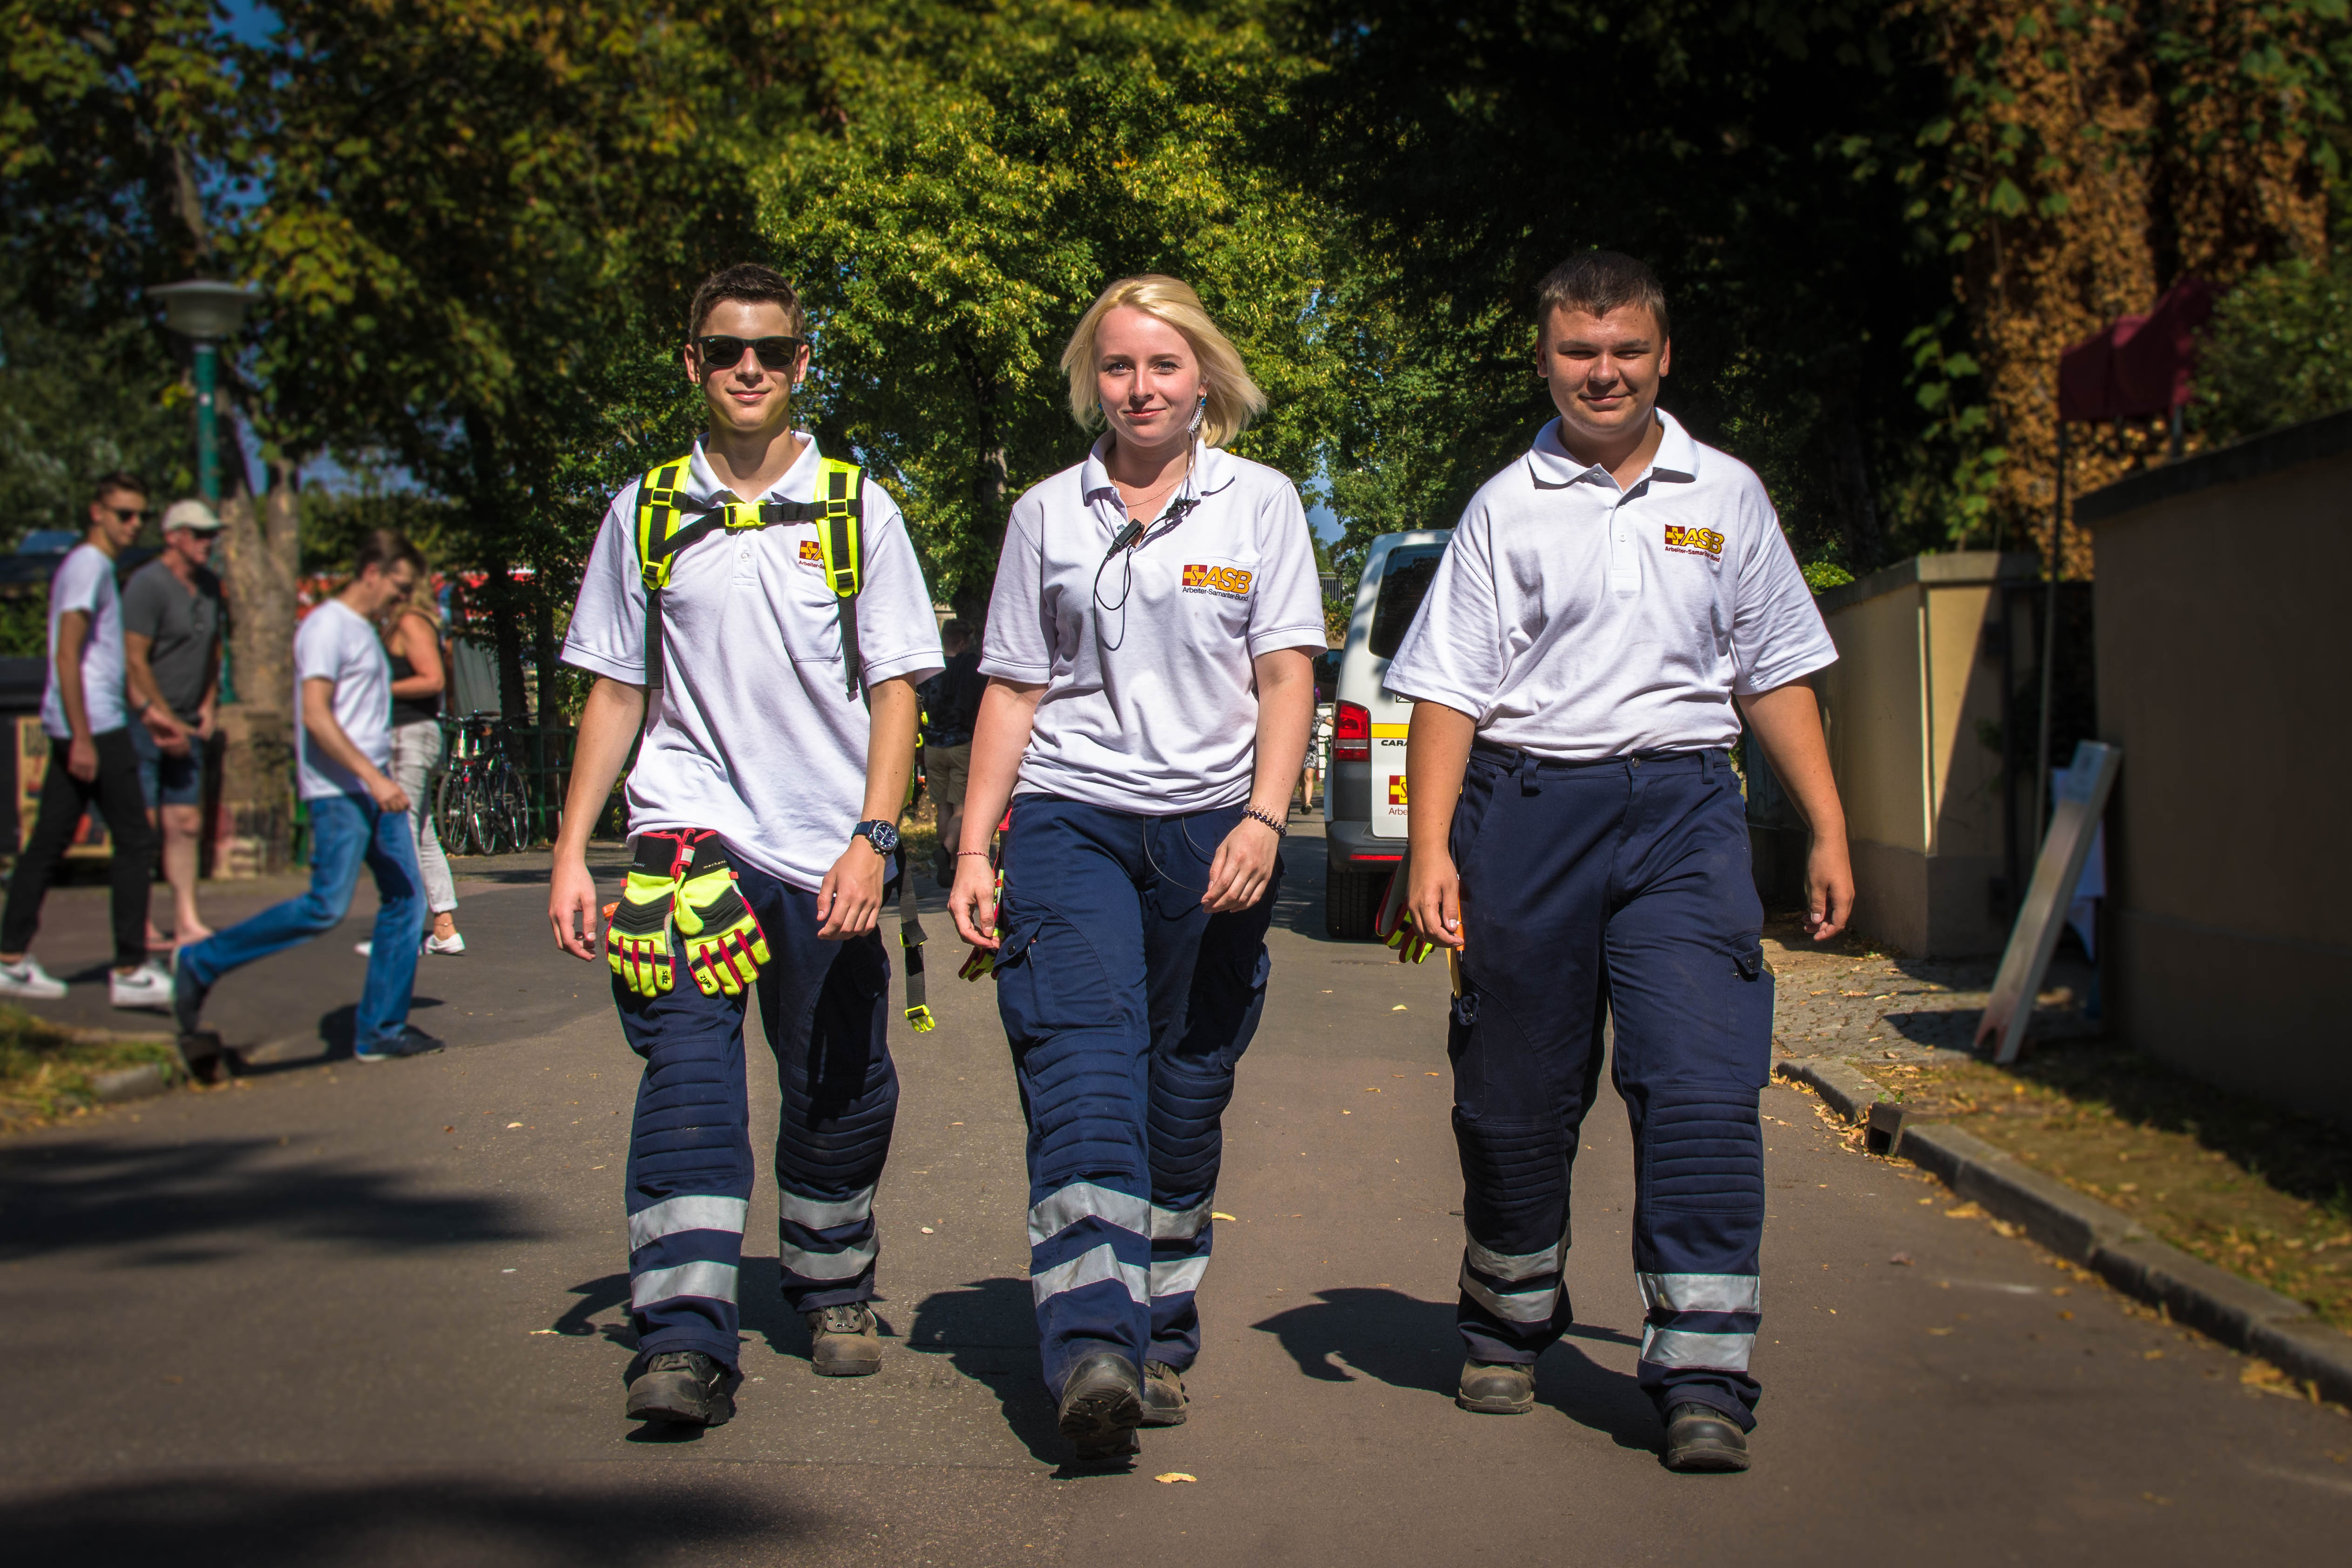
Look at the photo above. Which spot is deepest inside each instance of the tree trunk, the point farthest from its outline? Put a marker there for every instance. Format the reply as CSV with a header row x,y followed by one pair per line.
x,y
253,829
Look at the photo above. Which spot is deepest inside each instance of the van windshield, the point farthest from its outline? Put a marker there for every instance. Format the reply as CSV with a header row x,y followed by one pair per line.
x,y
1404,580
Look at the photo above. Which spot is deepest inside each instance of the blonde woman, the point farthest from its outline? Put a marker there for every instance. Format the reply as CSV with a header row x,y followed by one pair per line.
x,y
1148,646
419,676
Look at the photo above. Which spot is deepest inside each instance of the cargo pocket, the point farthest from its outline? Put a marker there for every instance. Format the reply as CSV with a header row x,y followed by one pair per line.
x,y
1048,979
1748,991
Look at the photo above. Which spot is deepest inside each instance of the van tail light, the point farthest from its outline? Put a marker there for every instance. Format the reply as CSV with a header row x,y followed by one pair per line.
x,y
1351,733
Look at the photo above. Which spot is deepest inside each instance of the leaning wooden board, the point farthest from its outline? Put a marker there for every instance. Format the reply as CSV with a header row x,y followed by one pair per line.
x,y
32,769
2083,793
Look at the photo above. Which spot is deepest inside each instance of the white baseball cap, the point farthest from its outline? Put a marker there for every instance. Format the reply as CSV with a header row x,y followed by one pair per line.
x,y
192,515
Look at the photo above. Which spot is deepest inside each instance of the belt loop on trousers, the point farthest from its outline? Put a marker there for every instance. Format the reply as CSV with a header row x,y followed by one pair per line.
x,y
1529,782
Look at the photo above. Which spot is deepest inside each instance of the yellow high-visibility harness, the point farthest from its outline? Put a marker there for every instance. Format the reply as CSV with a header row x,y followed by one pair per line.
x,y
668,520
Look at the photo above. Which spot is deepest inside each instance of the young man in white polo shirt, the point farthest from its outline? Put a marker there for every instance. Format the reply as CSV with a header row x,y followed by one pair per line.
x,y
763,808
1609,606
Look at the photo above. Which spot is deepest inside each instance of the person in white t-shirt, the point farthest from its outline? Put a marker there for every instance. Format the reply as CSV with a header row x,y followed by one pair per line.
x,y
1609,606
342,747
1147,650
778,725
92,763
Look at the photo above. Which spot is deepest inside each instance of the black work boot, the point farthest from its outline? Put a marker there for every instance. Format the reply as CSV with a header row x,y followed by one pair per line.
x,y
1496,1388
843,1341
1699,1437
682,1388
1101,1407
1163,1394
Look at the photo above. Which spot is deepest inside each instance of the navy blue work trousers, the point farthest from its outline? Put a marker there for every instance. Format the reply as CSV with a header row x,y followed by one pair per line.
x,y
1127,1003
825,1006
1618,892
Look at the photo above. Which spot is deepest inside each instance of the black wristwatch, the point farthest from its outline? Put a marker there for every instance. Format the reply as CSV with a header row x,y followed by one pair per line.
x,y
883,836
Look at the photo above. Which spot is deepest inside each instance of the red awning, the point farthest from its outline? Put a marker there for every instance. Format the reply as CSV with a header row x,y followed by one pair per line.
x,y
2136,367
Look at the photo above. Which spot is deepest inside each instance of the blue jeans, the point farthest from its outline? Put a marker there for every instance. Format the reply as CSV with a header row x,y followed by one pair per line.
x,y
345,829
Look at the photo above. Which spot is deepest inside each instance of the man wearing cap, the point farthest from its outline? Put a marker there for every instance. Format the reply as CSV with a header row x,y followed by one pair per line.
x,y
170,655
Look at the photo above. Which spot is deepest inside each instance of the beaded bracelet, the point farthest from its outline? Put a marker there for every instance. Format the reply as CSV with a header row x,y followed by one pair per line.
x,y
1281,828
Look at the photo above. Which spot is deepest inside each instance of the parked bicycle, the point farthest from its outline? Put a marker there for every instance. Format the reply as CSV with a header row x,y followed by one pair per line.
x,y
482,807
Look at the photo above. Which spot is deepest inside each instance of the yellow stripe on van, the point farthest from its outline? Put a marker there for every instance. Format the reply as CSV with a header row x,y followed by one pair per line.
x,y
1391,732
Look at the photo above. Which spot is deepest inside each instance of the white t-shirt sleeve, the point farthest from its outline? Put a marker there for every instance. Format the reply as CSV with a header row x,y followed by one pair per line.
x,y
608,635
1287,610
1018,644
1777,635
321,648
897,630
82,580
1453,652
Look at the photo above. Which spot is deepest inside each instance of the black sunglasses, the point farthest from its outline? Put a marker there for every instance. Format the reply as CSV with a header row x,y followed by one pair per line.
x,y
726,353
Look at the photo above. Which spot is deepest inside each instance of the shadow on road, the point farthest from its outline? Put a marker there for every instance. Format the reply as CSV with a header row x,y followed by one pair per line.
x,y
1411,1343
988,1332
451,1522
212,1198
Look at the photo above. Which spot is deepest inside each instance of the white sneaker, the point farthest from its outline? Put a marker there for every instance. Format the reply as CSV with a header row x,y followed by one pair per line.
x,y
365,948
28,979
145,986
454,946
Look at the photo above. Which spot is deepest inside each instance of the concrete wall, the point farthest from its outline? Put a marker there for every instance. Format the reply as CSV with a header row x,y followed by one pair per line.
x,y
2221,652
1911,702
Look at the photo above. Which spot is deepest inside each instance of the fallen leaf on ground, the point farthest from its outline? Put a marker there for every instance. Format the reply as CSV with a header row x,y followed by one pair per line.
x,y
926,1230
1172,1477
1939,1332
1398,1008
1218,1214
1902,1258
542,1331
1966,1211
512,1125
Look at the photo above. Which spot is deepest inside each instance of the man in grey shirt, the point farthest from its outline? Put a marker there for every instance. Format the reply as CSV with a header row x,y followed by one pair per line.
x,y
171,647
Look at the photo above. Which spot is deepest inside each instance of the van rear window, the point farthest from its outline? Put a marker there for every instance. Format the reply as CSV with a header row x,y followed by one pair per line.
x,y
1404,580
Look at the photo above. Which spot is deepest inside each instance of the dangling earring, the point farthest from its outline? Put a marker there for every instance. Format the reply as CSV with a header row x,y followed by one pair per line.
x,y
1200,412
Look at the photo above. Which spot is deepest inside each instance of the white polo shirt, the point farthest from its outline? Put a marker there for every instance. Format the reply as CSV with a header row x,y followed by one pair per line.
x,y
756,736
1577,621
1150,705
85,582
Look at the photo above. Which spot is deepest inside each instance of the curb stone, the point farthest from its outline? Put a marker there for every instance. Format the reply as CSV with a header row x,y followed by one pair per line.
x,y
131,1083
2103,1238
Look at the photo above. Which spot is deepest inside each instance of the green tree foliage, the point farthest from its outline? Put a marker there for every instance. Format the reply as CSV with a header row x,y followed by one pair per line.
x,y
990,170
2279,349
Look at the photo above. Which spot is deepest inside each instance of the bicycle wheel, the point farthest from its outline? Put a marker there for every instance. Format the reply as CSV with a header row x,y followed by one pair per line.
x,y
450,809
482,819
512,806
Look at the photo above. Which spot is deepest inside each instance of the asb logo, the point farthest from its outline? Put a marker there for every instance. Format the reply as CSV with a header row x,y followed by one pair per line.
x,y
1396,789
812,553
1694,542
1230,581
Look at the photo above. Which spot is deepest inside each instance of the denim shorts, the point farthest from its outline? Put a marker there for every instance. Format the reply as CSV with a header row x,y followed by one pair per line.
x,y
167,780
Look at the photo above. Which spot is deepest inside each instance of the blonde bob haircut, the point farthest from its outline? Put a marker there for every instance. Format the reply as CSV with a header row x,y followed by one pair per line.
x,y
1234,398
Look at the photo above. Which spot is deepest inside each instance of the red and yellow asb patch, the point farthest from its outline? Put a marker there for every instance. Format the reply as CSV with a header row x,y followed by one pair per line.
x,y
1230,580
812,553
1396,789
1694,541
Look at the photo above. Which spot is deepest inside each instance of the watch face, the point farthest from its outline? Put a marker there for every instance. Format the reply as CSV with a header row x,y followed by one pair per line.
x,y
883,837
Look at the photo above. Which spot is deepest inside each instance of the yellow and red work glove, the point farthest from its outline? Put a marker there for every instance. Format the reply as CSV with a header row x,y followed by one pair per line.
x,y
640,939
980,961
724,944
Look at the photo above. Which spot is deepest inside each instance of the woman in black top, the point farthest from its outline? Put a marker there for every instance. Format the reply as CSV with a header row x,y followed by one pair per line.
x,y
418,678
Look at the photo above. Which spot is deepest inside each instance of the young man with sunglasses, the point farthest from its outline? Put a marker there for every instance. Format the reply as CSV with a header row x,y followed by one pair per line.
x,y
757,612
92,761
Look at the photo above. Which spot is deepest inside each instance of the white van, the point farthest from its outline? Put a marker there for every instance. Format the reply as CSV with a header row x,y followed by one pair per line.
x,y
1363,797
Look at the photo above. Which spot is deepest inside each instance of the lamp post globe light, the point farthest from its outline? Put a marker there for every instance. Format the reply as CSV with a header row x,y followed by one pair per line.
x,y
205,311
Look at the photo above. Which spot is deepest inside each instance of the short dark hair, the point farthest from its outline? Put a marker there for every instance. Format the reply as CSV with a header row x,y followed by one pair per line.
x,y
955,631
1599,282
750,283
118,480
383,547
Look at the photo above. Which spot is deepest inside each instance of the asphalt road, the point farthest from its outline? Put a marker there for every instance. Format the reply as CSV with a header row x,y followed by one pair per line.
x,y
344,1314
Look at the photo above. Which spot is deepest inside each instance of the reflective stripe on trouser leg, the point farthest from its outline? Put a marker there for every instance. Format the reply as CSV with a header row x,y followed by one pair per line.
x,y
689,1172
824,1005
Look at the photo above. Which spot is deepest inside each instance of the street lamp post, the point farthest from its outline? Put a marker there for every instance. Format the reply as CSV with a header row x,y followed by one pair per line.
x,y
206,312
